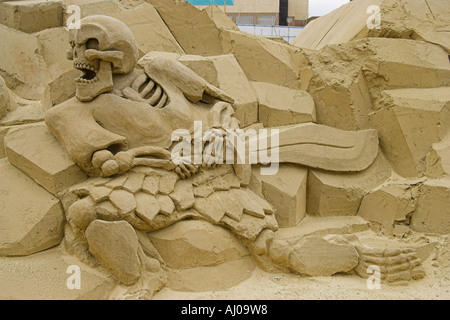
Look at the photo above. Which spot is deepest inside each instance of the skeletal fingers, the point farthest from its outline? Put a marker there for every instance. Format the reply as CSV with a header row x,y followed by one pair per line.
x,y
186,170
394,264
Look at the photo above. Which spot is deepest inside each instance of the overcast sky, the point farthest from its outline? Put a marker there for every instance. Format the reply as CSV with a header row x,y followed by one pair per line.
x,y
322,7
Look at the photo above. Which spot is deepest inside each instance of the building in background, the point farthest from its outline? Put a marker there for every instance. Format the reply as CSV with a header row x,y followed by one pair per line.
x,y
262,12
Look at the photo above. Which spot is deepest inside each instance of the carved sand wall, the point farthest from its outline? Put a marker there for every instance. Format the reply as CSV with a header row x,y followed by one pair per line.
x,y
88,176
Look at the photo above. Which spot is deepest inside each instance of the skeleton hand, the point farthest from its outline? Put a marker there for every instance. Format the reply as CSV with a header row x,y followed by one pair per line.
x,y
186,170
215,149
146,90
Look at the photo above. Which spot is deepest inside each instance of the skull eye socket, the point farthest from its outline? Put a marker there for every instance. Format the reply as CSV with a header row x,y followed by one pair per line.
x,y
92,44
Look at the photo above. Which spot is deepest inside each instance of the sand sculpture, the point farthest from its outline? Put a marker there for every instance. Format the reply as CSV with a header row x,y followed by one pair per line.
x,y
362,155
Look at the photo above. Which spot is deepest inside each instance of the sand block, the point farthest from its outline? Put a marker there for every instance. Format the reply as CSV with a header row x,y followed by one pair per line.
x,y
265,60
60,89
140,20
347,94
27,226
206,41
22,69
219,18
339,26
412,121
3,133
388,206
286,192
53,45
225,73
336,194
30,113
345,105
322,226
202,279
433,208
122,257
279,106
44,276
314,256
411,64
438,159
261,59
4,98
190,244
31,16
52,168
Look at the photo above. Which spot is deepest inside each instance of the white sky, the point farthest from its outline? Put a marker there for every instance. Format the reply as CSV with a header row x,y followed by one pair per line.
x,y
322,7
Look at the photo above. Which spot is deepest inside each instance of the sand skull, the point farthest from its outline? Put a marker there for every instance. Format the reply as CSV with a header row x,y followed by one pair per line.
x,y
103,46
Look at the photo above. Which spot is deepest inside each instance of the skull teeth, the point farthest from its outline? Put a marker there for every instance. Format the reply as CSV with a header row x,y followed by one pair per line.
x,y
84,66
86,81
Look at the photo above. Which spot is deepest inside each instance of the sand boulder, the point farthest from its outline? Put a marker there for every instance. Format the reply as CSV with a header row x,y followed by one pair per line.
x,y
122,257
190,244
32,218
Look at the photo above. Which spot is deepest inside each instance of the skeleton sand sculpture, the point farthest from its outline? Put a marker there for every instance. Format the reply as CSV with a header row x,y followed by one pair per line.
x,y
343,123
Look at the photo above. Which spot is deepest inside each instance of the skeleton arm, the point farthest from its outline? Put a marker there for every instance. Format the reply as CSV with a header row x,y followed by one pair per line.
x,y
147,88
